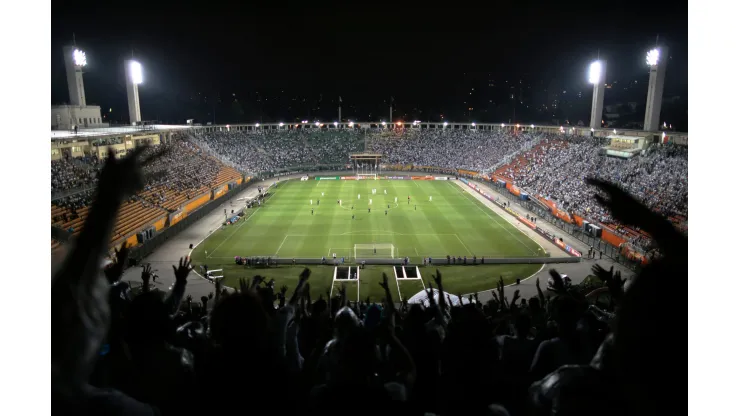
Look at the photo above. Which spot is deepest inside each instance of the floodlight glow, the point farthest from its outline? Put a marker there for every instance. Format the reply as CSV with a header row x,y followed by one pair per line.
x,y
257,125
517,126
304,121
444,124
502,125
594,73
281,124
316,123
652,57
615,131
79,57
384,123
472,124
351,124
664,135
592,130
136,73
531,125
336,124
398,124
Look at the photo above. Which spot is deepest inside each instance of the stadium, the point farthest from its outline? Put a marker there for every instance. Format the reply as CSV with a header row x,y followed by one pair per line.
x,y
379,214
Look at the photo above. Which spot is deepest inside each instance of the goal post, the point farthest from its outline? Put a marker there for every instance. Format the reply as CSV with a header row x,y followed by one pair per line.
x,y
384,250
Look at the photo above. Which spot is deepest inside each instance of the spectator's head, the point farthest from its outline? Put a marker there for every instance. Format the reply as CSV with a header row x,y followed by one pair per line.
x,y
238,322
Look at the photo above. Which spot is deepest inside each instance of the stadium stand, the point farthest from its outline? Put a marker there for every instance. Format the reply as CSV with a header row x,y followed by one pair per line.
x,y
184,172
147,352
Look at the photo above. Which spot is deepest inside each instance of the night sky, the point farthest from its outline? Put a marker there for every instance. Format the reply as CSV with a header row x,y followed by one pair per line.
x,y
289,63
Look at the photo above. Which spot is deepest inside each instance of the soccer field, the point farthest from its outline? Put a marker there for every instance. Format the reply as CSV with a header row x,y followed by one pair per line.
x,y
303,219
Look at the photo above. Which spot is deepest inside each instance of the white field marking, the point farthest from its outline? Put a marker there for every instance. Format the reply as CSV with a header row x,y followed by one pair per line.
x,y
417,251
512,284
398,286
498,223
281,245
416,183
235,230
463,244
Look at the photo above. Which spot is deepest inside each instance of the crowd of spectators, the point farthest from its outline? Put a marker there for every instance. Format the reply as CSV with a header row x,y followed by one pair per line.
x,y
557,169
272,150
184,167
69,174
263,349
477,150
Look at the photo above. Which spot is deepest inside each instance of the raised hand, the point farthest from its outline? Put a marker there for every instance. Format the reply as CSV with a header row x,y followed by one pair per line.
x,y
438,279
256,280
558,286
114,272
623,206
243,286
612,280
183,270
125,176
146,275
210,296
283,290
384,283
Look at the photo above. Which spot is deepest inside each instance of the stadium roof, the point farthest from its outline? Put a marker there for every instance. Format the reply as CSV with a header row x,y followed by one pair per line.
x,y
113,131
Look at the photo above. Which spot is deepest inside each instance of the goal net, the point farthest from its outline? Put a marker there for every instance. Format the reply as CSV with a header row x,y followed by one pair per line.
x,y
368,175
375,250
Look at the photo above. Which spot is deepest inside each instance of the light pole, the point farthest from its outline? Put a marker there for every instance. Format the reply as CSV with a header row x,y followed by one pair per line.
x,y
134,77
656,60
597,76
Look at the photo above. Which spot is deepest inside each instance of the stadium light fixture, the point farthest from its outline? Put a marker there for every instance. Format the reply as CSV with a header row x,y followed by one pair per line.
x,y
652,57
594,72
79,57
137,76
304,121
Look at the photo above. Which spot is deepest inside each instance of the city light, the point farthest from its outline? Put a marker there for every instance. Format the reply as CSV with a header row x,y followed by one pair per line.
x,y
517,126
137,76
652,57
592,130
502,125
281,124
317,124
531,125
472,124
384,123
304,121
351,124
444,124
398,124
79,57
615,131
594,73
257,125
336,124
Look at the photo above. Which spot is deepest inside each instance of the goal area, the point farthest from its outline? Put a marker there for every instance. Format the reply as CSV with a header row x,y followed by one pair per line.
x,y
386,251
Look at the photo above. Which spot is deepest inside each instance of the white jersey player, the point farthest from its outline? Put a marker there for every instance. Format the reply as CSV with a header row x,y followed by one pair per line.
x,y
430,198
371,202
395,199
311,200
358,196
322,194
385,191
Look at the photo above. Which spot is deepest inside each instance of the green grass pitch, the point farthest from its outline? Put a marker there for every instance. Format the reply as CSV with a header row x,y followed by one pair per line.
x,y
453,223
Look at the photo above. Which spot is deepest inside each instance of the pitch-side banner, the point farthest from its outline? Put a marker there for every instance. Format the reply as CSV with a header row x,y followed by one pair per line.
x,y
440,178
327,178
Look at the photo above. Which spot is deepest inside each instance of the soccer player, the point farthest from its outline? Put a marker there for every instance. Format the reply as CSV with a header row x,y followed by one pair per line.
x,y
414,207
368,210
395,199
385,191
386,212
389,206
374,250
311,211
371,202
318,201
353,216
409,199
430,198
312,202
358,196
322,194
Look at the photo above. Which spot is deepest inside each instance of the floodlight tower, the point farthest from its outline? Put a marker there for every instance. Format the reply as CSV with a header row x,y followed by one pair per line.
x,y
597,76
134,77
657,61
74,60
